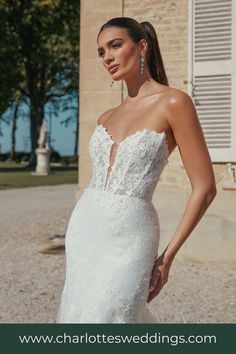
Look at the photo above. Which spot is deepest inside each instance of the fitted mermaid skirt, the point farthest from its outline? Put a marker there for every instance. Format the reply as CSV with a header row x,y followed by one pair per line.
x,y
111,244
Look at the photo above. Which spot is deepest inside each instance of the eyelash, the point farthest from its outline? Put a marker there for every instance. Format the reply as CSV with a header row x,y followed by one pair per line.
x,y
114,46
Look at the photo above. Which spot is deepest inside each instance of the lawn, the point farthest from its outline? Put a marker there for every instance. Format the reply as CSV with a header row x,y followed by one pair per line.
x,y
18,176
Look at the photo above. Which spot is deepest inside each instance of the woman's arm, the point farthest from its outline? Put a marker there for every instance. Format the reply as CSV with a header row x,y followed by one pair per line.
x,y
183,119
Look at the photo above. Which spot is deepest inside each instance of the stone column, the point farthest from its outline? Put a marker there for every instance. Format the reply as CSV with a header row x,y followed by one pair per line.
x,y
96,95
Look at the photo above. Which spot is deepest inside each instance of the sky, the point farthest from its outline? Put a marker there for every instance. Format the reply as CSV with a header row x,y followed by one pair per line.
x,y
62,138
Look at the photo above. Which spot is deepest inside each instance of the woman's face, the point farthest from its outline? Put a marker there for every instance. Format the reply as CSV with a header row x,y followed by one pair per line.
x,y
117,50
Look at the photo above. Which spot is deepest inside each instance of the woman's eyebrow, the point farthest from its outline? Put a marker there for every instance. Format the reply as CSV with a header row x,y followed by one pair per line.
x,y
109,43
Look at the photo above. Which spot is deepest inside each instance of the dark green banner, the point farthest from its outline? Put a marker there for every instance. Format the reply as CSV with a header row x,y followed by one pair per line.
x,y
91,338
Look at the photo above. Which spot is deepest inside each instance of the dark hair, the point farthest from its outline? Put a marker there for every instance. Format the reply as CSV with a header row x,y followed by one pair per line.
x,y
137,31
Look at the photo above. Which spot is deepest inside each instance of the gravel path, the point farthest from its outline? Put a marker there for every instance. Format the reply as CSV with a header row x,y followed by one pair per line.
x,y
32,266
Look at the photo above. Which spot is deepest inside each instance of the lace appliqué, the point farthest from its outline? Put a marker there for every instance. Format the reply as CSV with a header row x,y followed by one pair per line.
x,y
136,165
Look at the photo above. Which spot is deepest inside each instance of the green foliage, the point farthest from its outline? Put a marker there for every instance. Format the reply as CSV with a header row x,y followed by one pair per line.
x,y
41,36
39,54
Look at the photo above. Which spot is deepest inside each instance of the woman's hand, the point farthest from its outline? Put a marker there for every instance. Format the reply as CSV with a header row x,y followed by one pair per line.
x,y
159,276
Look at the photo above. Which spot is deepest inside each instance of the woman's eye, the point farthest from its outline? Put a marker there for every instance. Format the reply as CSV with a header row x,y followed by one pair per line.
x,y
113,46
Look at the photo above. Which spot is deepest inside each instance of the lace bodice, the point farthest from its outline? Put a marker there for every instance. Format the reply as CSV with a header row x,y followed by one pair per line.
x,y
132,167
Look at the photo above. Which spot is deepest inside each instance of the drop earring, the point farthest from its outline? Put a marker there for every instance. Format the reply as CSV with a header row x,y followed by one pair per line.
x,y
142,63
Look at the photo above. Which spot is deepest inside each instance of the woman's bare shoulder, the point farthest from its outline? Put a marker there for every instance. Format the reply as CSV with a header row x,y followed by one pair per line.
x,y
103,117
176,103
176,96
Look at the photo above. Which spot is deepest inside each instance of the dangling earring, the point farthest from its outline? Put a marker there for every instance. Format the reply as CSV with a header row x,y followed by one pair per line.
x,y
142,63
112,83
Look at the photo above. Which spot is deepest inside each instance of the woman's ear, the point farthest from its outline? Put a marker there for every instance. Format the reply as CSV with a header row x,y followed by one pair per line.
x,y
143,45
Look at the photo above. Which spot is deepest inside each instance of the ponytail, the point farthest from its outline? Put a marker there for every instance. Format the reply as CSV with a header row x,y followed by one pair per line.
x,y
145,30
154,58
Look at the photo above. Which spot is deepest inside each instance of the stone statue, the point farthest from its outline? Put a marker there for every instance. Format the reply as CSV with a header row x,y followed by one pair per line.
x,y
43,152
43,136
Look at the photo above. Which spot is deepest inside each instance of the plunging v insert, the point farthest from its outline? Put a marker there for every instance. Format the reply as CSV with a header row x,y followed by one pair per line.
x,y
117,146
114,147
112,157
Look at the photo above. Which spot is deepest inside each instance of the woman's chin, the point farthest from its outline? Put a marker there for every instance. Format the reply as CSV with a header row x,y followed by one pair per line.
x,y
116,77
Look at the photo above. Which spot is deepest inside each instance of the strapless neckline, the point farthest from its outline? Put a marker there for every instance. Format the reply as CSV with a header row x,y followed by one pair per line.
x,y
158,134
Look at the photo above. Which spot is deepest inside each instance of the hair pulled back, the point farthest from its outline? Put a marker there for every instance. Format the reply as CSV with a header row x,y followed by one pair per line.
x,y
138,31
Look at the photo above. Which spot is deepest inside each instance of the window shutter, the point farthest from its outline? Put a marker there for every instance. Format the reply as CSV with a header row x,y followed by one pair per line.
x,y
213,74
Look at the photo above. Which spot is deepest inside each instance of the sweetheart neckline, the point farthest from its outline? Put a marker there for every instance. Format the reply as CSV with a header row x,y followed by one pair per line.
x,y
163,133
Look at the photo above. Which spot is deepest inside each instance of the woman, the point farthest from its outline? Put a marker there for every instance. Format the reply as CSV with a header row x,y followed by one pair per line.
x,y
112,239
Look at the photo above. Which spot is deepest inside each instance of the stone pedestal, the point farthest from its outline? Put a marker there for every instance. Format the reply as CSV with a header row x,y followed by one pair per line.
x,y
229,180
43,162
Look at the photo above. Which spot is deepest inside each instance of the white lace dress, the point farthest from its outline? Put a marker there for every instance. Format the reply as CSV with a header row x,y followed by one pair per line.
x,y
113,233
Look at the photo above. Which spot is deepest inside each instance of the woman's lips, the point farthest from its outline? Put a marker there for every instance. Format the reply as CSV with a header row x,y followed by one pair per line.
x,y
114,69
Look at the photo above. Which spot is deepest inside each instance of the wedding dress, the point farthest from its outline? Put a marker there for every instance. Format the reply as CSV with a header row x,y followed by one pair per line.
x,y
113,234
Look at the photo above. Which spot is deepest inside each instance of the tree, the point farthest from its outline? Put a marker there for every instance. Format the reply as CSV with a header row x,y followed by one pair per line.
x,y
14,127
43,36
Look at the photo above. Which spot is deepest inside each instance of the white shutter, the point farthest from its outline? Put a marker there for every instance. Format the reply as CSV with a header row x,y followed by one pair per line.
x,y
213,69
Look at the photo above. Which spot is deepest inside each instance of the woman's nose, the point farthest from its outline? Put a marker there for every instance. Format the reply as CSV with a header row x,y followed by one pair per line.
x,y
108,58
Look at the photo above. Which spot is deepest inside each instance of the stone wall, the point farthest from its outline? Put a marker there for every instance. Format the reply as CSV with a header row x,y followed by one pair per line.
x,y
96,95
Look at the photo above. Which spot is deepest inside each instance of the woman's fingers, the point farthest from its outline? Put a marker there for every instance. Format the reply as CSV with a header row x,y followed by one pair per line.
x,y
156,290
157,282
154,278
159,278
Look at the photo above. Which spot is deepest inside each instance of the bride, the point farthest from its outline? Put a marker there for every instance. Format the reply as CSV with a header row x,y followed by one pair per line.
x,y
113,269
